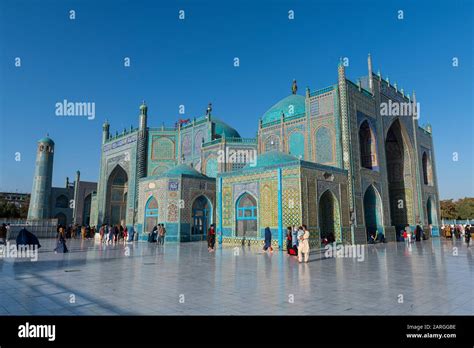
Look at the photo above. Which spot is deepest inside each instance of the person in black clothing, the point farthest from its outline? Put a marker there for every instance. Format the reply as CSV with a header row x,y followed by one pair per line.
x,y
467,234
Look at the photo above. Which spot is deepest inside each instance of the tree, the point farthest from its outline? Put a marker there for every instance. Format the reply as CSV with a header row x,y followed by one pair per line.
x,y
465,208
448,209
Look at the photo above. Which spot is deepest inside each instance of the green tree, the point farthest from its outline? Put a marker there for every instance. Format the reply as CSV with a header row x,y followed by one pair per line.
x,y
465,208
448,209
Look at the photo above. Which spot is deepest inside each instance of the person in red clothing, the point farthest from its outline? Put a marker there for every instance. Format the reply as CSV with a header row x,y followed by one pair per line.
x,y
211,238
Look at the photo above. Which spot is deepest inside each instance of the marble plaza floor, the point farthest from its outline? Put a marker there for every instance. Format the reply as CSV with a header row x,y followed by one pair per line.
x,y
428,278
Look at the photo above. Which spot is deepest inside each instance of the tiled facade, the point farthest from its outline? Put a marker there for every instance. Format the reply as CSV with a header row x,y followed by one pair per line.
x,y
328,154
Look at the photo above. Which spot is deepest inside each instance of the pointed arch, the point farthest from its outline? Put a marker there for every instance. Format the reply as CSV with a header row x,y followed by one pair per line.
x,y
329,217
116,197
151,213
201,210
62,201
400,169
367,146
427,169
246,216
373,211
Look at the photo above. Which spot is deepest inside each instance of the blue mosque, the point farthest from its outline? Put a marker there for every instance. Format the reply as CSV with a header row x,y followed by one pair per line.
x,y
327,158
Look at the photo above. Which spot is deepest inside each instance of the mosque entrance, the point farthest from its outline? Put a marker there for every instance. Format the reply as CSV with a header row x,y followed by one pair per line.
x,y
329,217
151,214
372,212
201,216
246,217
399,174
431,212
62,220
117,190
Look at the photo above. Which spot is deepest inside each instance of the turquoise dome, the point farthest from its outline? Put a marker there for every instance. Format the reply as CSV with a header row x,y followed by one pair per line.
x,y
293,101
221,128
46,140
182,169
273,158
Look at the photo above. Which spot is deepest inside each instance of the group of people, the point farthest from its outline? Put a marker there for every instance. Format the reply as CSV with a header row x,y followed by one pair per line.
x,y
109,234
297,242
417,235
76,231
458,231
158,234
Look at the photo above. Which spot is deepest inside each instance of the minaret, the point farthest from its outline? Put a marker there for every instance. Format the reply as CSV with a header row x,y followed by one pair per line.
x,y
76,197
142,142
371,80
105,131
346,138
40,201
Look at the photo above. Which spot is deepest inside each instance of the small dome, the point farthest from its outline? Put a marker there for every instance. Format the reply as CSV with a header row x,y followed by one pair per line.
x,y
143,108
293,102
273,158
46,140
182,169
221,128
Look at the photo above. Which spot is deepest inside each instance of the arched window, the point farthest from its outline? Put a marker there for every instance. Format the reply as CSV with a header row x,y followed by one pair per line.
x,y
62,219
324,145
151,214
272,143
62,201
367,146
201,214
296,145
427,171
198,140
246,216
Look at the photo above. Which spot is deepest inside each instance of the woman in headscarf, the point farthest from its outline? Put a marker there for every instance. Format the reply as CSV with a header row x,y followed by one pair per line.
x,y
211,238
289,243
61,245
268,239
303,247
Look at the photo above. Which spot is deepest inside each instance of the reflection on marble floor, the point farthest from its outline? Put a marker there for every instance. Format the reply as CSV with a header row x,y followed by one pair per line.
x,y
184,279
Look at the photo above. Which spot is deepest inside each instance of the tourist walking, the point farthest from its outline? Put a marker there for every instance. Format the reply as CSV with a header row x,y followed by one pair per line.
x,y
110,234
294,238
268,240
163,234
289,242
101,233
467,234
408,231
211,238
116,233
125,233
61,244
303,247
153,233
159,233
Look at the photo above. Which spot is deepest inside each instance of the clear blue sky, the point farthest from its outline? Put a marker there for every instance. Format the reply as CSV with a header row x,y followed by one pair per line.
x,y
190,62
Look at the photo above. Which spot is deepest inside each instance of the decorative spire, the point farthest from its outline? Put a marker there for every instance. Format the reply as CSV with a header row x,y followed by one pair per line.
x,y
143,109
369,66
209,109
308,92
294,87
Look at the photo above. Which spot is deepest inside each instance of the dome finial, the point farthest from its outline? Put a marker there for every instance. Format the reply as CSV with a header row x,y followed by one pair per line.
x,y
209,109
294,87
